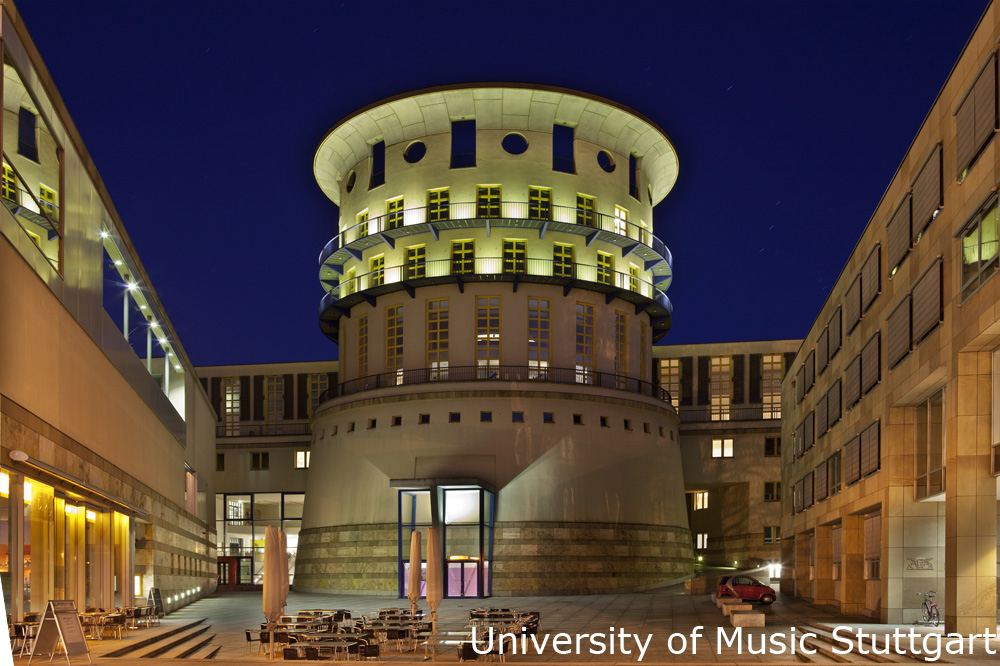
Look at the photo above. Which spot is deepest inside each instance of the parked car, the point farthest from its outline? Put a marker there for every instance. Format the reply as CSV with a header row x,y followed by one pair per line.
x,y
746,588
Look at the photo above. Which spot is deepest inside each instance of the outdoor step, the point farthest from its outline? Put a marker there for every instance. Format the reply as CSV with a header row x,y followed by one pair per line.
x,y
153,640
196,648
180,641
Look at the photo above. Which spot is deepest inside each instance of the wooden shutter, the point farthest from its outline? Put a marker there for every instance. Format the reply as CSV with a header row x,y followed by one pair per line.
x,y
808,490
822,483
986,103
687,381
810,370
898,231
800,384
852,304
898,345
870,363
822,351
833,404
873,536
302,390
258,398
852,382
927,192
799,496
870,449
739,390
704,372
852,461
821,417
871,278
215,395
834,327
756,369
965,133
245,398
809,431
800,437
927,303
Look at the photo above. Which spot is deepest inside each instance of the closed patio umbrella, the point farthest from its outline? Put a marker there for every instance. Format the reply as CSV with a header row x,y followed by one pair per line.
x,y
435,589
273,601
414,592
285,579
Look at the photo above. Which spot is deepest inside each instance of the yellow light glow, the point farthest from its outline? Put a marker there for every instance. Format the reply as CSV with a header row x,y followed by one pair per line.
x,y
4,484
70,510
91,515
27,492
138,586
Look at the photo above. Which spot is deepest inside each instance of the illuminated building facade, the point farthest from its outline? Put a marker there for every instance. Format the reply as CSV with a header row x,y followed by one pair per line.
x,y
495,288
106,438
891,404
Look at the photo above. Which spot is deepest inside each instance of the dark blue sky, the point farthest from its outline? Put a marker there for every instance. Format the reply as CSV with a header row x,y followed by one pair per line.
x,y
789,119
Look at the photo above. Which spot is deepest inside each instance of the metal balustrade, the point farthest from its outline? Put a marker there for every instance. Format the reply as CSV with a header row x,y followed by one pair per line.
x,y
261,429
497,373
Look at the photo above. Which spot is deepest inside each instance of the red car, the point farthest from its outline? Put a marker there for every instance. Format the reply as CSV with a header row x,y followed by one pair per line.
x,y
746,588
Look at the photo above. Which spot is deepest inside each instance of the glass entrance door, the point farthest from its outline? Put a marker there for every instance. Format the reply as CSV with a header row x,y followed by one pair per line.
x,y
463,578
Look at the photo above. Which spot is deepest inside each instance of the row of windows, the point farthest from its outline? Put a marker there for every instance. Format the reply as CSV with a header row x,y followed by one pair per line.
x,y
487,417
772,493
488,338
772,535
723,448
724,385
859,457
261,460
463,154
276,391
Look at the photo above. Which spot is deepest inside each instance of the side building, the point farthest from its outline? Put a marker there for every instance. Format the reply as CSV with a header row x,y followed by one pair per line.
x,y
892,401
728,396
262,456
106,437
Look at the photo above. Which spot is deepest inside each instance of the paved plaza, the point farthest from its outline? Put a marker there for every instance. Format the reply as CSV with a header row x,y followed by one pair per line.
x,y
659,619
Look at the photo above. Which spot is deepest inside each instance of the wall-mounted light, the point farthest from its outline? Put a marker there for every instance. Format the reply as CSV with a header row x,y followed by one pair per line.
x,y
104,234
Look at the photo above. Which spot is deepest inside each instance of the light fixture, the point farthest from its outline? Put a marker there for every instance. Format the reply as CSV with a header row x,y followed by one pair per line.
x,y
118,262
104,234
132,286
162,341
176,367
142,307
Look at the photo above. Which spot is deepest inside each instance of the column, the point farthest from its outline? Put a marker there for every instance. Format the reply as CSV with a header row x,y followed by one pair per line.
x,y
803,586
852,565
823,575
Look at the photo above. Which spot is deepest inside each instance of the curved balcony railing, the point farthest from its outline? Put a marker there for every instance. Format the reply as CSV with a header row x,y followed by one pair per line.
x,y
497,373
487,266
510,210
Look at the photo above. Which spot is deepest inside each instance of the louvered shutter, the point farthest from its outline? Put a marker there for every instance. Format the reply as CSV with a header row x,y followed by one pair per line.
x,y
739,392
898,345
822,351
810,370
833,404
756,367
258,397
852,461
808,490
927,193
302,395
927,305
800,439
800,384
852,382
870,369
986,109
873,536
245,398
687,381
821,416
704,365
809,431
898,232
215,396
821,482
871,278
965,133
852,304
870,449
834,327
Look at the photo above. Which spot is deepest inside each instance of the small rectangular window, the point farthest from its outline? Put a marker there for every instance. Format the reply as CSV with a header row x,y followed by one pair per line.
x,y
628,424
394,213
548,417
772,491
772,534
378,165
486,417
722,448
604,422
701,500
260,461
578,419
463,144
438,208
772,446
633,176
27,143
585,210
454,417
562,149
645,428
372,423
425,418
539,203
350,427
605,267
220,462
397,421
302,460
701,543
517,417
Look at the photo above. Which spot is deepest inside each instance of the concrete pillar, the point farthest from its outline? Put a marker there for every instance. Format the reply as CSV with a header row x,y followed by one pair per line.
x,y
803,586
823,575
852,565
970,499
787,585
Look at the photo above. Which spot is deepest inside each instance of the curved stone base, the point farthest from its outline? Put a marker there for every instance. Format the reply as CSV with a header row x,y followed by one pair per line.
x,y
539,559
355,559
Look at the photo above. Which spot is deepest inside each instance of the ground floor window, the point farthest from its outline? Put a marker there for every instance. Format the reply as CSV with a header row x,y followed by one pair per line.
x,y
240,523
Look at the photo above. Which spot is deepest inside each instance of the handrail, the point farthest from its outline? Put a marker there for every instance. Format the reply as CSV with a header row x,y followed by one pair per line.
x,y
495,210
495,266
722,413
41,208
496,373
276,428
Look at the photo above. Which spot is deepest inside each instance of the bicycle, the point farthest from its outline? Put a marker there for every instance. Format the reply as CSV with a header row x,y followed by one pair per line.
x,y
929,613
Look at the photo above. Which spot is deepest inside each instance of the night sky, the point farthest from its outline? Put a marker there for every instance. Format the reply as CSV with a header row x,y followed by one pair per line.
x,y
789,119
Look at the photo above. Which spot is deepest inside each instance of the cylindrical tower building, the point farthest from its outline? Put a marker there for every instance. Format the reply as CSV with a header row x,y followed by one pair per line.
x,y
495,288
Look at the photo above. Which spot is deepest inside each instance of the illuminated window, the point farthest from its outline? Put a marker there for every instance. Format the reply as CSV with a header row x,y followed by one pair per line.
x,y
701,543
377,270
274,403
539,203
463,257
437,338
438,208
979,249
633,277
772,491
352,281
621,348
621,221
362,225
585,207
584,343
772,447
772,534
260,461
770,384
720,387
394,341
722,448
394,213
605,267
515,254
363,346
488,201
488,336
319,383
700,500
539,336
416,262
301,460
670,379
47,199
8,188
231,405
929,450
562,261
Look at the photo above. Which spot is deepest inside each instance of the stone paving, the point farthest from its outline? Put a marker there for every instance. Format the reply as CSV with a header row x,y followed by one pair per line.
x,y
662,619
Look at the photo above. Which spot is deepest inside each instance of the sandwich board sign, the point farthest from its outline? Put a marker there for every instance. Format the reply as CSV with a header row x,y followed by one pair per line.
x,y
156,601
60,627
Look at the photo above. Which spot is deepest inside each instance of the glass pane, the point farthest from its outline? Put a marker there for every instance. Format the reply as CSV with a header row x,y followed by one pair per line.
x,y
293,505
267,506
38,526
238,507
461,506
